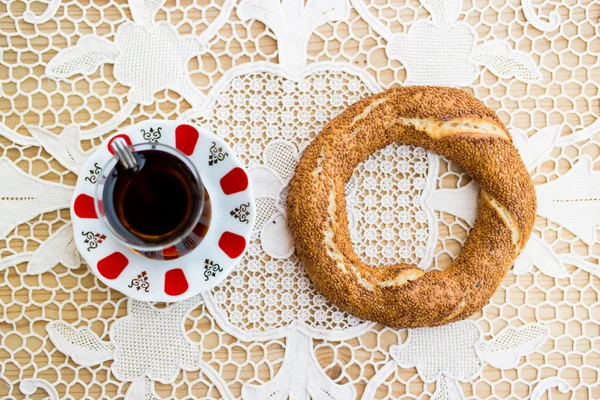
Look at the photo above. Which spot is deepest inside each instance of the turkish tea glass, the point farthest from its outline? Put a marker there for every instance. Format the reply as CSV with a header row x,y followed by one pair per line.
x,y
151,198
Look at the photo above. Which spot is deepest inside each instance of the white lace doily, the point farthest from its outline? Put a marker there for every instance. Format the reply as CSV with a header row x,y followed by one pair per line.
x,y
266,75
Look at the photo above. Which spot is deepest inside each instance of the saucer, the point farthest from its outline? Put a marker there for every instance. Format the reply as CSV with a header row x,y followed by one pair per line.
x,y
225,242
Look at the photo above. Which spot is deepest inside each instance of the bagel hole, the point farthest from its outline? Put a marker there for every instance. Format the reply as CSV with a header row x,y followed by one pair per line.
x,y
388,224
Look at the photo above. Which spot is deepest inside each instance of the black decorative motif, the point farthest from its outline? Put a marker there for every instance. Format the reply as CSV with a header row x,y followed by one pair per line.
x,y
241,213
93,178
211,269
141,282
152,135
216,154
93,239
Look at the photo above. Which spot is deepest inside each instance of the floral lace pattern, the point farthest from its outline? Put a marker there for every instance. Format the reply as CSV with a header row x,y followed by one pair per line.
x,y
269,292
267,75
387,204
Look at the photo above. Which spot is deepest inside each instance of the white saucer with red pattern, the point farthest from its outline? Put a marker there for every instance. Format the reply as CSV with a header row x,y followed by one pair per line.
x,y
225,242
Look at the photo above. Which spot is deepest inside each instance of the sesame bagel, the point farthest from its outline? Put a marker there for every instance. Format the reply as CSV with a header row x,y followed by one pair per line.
x,y
446,121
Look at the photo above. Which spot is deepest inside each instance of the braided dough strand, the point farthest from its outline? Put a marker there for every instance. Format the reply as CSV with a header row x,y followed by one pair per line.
x,y
446,121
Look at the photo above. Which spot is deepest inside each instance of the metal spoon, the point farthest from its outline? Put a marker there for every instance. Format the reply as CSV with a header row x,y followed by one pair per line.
x,y
124,153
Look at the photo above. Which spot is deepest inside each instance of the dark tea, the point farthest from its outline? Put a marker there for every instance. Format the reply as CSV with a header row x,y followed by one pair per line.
x,y
154,202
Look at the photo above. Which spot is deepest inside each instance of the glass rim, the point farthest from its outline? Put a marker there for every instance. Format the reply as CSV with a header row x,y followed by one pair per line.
x,y
193,221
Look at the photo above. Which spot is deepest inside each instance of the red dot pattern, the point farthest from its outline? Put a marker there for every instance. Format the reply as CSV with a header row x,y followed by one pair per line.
x,y
232,244
84,206
234,181
175,282
186,137
113,265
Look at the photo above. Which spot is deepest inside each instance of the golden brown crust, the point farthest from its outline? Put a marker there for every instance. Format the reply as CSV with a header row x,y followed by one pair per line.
x,y
446,121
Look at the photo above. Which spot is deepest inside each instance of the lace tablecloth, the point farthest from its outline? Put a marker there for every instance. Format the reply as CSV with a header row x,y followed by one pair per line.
x,y
266,75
